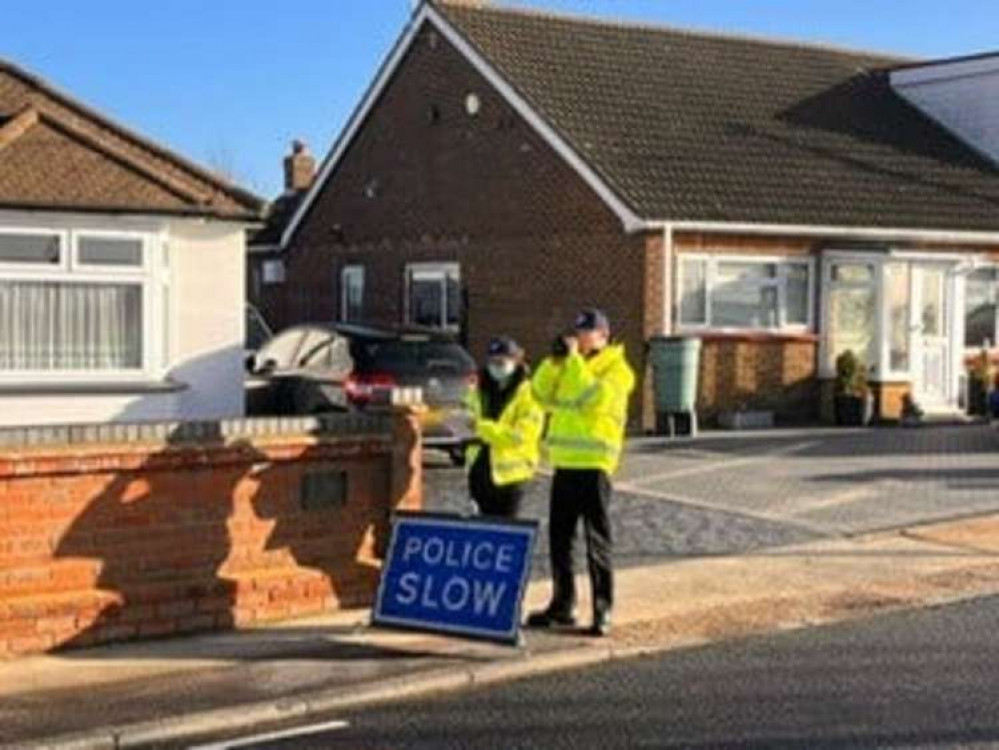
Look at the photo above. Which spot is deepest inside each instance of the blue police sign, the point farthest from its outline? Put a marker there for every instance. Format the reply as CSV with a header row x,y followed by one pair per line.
x,y
463,576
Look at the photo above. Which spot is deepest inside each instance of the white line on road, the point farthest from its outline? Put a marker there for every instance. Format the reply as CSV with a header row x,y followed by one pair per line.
x,y
287,734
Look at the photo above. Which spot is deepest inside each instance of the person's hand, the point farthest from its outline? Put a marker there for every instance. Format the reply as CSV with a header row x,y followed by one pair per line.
x,y
571,345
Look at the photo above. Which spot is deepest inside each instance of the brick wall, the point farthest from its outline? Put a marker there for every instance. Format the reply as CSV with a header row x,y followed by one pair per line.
x,y
110,542
769,372
424,181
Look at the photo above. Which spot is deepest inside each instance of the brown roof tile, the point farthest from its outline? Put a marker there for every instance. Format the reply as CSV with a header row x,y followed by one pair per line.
x,y
695,126
58,153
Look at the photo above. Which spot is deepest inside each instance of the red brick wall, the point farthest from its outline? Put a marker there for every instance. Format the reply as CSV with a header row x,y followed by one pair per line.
x,y
116,542
771,373
423,181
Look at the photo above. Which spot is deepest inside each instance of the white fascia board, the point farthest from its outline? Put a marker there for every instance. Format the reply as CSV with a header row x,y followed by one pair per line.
x,y
956,237
427,13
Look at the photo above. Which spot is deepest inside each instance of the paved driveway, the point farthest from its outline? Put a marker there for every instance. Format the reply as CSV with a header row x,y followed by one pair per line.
x,y
829,481
728,493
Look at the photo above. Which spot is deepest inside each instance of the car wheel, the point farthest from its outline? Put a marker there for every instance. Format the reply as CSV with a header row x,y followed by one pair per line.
x,y
457,456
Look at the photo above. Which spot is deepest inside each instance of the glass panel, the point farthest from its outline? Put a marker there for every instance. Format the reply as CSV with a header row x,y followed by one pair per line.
x,y
796,294
29,248
852,323
453,299
980,308
744,296
352,307
58,326
853,273
110,251
693,293
426,299
932,311
897,306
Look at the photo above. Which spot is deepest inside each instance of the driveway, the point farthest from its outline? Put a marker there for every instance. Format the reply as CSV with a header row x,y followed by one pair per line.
x,y
731,493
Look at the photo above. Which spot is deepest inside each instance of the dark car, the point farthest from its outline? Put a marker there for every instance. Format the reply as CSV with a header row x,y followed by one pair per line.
x,y
319,368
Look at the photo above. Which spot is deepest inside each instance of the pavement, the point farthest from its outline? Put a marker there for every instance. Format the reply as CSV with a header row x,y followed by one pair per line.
x,y
739,561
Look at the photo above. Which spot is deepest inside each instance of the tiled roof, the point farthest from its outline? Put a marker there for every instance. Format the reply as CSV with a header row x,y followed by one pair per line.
x,y
701,127
56,153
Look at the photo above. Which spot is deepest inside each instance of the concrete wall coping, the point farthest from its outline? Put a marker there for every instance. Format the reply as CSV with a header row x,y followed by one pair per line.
x,y
196,433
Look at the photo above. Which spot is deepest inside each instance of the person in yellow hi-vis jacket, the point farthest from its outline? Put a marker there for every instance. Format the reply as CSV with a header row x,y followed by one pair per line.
x,y
584,386
508,425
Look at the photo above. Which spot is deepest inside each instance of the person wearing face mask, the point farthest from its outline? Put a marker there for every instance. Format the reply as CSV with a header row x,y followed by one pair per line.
x,y
508,425
584,387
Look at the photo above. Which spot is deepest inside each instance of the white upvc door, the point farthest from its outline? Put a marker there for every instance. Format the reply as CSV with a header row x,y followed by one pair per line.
x,y
932,319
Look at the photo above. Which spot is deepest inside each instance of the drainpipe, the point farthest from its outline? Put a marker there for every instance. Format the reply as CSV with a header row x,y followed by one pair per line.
x,y
669,287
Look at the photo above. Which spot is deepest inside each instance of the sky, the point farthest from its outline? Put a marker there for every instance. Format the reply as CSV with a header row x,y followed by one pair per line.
x,y
230,83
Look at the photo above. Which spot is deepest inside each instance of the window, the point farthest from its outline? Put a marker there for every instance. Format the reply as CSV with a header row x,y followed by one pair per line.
x,y
897,310
852,323
273,271
35,248
433,295
745,294
352,294
980,298
69,313
109,251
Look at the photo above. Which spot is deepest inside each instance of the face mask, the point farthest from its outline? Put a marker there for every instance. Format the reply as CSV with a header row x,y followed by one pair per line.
x,y
501,371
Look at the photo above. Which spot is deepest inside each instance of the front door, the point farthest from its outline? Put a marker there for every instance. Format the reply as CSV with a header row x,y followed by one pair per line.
x,y
931,344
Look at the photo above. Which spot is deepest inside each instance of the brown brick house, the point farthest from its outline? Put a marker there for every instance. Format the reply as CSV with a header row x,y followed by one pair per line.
x,y
782,201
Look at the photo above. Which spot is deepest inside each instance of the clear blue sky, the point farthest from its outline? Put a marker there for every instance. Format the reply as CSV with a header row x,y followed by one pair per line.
x,y
230,82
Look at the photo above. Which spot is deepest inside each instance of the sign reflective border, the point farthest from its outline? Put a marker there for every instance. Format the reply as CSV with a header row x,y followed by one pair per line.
x,y
456,575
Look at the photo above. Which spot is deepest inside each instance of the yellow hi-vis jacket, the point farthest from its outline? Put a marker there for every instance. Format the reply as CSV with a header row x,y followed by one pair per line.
x,y
588,403
513,439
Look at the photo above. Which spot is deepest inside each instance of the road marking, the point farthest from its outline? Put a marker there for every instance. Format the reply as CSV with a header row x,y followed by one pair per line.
x,y
722,465
287,734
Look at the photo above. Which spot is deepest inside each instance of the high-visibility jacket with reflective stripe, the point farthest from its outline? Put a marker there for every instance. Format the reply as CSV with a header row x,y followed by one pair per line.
x,y
588,403
513,439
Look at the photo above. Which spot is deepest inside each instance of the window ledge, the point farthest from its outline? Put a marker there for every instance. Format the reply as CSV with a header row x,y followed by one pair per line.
x,y
95,388
762,337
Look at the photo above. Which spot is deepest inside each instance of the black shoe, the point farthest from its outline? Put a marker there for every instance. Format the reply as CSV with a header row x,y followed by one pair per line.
x,y
548,618
601,627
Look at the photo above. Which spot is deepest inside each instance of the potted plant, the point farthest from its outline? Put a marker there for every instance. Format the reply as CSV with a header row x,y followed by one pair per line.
x,y
854,404
980,378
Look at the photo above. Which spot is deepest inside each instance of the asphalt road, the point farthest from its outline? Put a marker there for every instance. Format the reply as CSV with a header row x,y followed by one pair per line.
x,y
922,679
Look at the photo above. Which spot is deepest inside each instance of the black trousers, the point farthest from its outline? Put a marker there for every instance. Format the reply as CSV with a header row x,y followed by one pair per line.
x,y
586,494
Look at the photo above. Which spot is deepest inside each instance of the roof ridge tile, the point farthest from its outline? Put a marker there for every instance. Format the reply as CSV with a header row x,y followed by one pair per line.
x,y
486,6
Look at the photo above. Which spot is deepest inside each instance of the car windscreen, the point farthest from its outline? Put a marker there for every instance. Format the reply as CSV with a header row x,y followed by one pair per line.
x,y
405,356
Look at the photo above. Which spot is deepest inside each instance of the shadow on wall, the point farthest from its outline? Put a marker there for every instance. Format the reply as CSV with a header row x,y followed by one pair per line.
x,y
737,376
210,386
204,534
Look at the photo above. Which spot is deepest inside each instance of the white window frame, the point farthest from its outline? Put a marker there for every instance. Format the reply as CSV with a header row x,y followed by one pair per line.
x,y
441,269
989,266
710,281
64,249
876,261
348,271
70,270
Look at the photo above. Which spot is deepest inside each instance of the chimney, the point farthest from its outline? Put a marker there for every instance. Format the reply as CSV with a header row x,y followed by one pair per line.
x,y
299,167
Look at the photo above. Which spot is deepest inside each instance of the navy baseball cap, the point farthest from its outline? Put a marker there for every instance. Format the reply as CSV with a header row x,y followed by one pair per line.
x,y
504,346
592,319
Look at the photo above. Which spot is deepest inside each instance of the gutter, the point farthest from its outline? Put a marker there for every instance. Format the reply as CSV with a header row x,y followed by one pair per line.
x,y
957,237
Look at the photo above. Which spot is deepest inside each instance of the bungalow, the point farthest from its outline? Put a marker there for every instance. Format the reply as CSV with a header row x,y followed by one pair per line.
x,y
785,202
121,269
